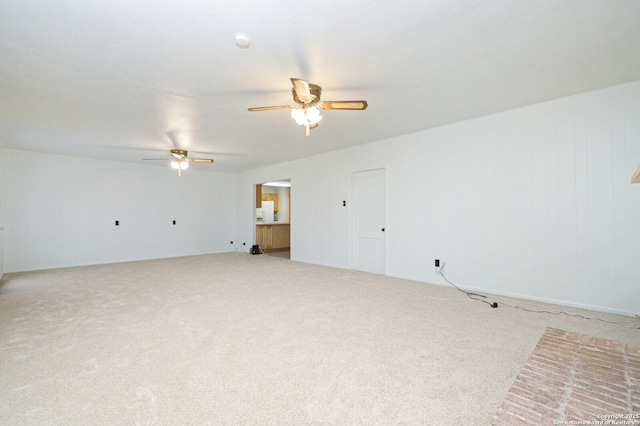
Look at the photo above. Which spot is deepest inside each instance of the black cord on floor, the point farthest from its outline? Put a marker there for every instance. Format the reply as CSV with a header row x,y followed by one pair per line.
x,y
542,311
470,295
482,297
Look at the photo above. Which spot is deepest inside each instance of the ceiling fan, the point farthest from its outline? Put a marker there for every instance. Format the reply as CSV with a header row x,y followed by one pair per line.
x,y
180,161
306,111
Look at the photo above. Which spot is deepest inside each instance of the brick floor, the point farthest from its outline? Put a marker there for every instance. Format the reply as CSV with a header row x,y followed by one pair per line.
x,y
575,378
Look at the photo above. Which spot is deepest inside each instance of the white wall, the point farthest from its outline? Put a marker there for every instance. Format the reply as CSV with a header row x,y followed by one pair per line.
x,y
61,211
534,202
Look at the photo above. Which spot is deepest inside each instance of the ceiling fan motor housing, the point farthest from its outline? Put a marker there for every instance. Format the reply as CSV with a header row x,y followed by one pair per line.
x,y
179,153
314,89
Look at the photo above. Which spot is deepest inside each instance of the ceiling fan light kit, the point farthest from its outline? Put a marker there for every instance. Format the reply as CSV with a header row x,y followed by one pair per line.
x,y
307,116
307,108
181,165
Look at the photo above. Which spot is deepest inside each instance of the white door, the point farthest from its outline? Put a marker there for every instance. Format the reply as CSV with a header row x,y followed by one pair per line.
x,y
368,221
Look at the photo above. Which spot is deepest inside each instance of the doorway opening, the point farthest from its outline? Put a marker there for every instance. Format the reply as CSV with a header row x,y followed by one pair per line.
x,y
272,217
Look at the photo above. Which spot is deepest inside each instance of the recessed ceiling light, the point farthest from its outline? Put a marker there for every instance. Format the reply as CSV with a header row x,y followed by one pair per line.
x,y
242,41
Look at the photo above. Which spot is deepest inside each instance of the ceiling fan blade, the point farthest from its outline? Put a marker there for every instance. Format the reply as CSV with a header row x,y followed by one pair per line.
x,y
302,90
348,105
153,159
268,108
199,160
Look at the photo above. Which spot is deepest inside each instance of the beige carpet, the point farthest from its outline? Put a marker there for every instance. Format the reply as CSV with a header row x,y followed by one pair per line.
x,y
235,339
575,378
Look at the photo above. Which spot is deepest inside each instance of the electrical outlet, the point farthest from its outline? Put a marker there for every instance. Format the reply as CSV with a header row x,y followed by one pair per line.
x,y
437,263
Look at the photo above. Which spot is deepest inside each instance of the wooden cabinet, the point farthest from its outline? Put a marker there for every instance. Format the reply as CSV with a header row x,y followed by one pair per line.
x,y
258,196
274,237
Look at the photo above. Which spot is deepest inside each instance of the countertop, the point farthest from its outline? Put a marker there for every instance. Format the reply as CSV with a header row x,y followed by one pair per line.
x,y
271,223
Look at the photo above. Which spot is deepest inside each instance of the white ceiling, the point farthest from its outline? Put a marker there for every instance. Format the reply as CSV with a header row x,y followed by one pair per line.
x,y
110,79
